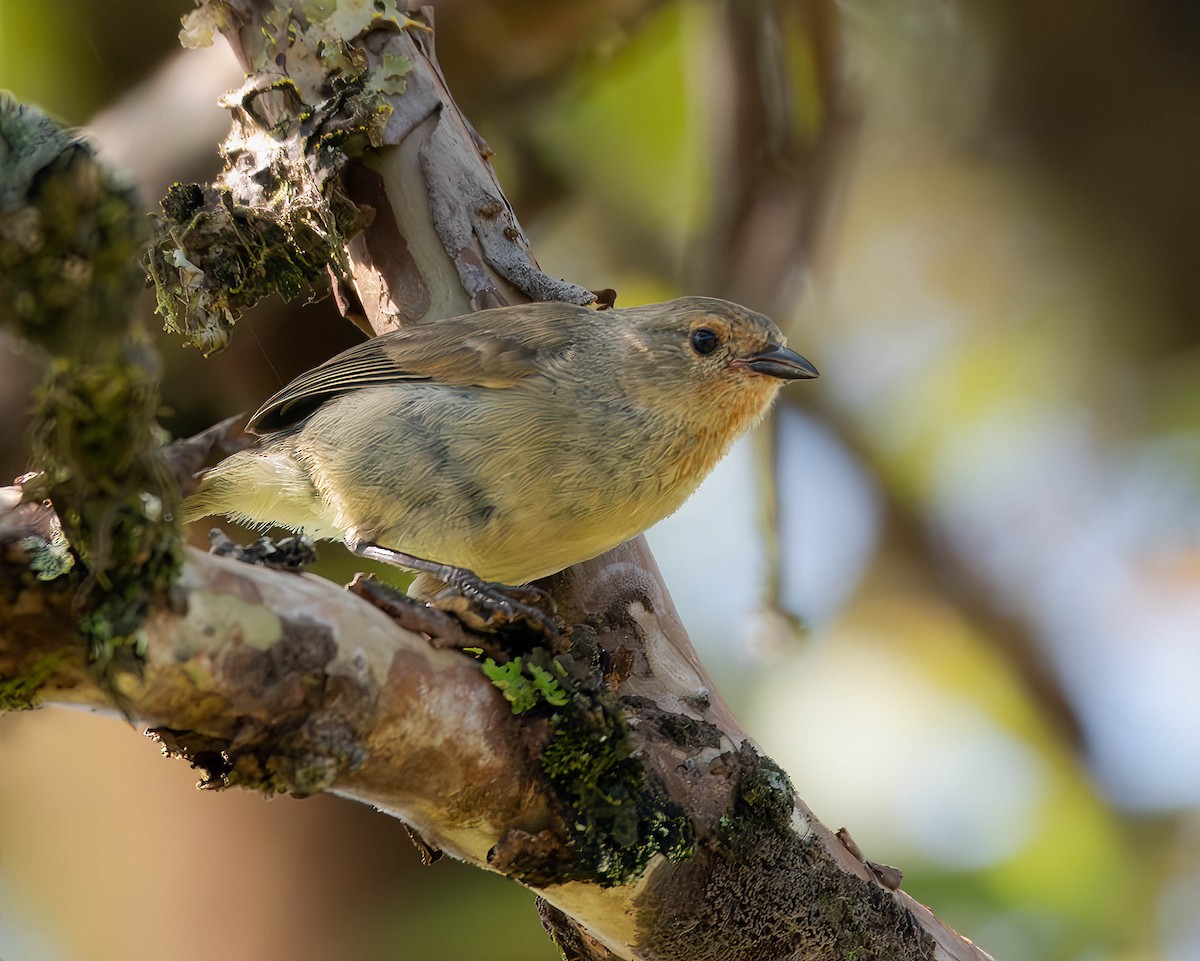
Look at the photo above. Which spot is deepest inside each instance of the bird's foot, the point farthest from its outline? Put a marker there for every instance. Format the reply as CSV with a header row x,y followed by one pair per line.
x,y
480,605
486,605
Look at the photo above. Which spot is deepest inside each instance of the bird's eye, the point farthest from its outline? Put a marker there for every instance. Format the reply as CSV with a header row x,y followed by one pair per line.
x,y
704,341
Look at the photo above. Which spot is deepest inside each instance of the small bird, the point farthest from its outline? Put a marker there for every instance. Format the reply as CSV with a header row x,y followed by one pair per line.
x,y
508,443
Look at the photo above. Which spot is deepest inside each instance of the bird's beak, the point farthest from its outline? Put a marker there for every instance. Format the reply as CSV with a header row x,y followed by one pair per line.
x,y
782,363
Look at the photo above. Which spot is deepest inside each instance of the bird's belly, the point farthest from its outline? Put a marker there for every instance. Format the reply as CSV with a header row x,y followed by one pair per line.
x,y
509,504
532,538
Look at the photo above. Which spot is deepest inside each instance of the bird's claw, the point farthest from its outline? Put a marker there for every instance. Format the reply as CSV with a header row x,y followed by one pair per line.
x,y
486,605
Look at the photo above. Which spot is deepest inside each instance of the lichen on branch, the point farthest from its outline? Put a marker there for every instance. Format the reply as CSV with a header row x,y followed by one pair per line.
x,y
614,816
278,218
71,233
335,92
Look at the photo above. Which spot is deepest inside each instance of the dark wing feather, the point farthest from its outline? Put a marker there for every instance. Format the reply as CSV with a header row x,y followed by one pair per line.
x,y
364,365
492,348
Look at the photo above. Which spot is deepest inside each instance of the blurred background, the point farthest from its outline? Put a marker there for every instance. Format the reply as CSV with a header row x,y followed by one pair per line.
x,y
953,586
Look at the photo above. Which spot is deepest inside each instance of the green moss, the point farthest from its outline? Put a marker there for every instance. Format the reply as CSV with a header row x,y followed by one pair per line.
x,y
525,686
215,257
767,791
764,803
615,817
71,236
760,888
20,693
278,219
49,560
95,437
616,820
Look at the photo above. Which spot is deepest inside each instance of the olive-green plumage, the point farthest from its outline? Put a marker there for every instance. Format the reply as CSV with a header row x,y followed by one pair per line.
x,y
511,442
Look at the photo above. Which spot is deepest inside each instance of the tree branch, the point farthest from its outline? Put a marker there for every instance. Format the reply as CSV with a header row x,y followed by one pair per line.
x,y
601,770
285,683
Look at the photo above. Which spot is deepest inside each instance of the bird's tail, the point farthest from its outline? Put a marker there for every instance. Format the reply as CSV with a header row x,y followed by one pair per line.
x,y
257,489
217,493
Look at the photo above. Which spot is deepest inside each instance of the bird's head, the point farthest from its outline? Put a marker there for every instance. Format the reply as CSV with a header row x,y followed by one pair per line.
x,y
699,352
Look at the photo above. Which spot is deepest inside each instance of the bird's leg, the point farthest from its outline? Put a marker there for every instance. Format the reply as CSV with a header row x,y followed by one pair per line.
x,y
502,603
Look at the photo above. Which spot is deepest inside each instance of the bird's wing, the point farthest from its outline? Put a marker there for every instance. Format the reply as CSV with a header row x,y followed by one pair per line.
x,y
492,348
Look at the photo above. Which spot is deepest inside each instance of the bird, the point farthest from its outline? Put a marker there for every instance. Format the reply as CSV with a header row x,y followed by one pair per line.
x,y
505,445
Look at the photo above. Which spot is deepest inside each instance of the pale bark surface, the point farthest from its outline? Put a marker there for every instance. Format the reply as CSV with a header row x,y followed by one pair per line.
x,y
283,682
